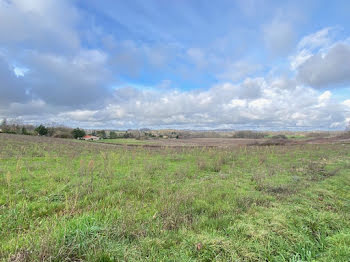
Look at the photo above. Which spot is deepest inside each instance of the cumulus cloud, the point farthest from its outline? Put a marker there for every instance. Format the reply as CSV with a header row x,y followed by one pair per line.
x,y
41,36
248,89
327,69
312,44
70,81
255,103
35,106
252,104
346,103
46,24
322,60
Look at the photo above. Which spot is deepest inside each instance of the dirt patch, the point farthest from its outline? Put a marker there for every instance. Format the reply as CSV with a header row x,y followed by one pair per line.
x,y
229,142
195,142
188,142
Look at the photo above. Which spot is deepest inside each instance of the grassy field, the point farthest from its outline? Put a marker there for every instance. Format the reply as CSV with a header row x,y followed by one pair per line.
x,y
126,141
65,200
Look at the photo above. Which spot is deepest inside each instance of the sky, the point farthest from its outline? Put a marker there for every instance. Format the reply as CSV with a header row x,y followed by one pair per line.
x,y
185,64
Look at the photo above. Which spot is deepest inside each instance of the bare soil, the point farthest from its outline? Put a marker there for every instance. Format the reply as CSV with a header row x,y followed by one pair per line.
x,y
233,142
189,142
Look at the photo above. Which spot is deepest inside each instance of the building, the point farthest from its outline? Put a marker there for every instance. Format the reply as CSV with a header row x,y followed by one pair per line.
x,y
90,138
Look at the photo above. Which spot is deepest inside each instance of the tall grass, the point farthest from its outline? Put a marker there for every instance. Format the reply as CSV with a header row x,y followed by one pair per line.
x,y
65,200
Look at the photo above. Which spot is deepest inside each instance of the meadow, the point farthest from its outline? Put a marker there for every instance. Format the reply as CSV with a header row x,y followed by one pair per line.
x,y
67,200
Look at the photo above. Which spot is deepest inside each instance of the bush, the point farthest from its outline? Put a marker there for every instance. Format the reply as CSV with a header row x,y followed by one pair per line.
x,y
113,135
62,134
24,131
78,133
249,134
101,133
317,134
279,137
344,135
41,130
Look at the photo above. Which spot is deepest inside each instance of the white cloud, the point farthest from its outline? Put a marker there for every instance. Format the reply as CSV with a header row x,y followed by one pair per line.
x,y
237,103
300,58
34,106
321,60
70,81
324,97
346,103
47,24
316,40
312,44
20,71
80,115
223,105
39,37
327,69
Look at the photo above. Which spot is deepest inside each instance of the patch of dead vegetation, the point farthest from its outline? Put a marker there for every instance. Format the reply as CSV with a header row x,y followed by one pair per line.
x,y
20,256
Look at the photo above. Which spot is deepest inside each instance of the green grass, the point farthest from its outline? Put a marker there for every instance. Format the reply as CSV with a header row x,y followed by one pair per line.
x,y
297,136
290,136
63,200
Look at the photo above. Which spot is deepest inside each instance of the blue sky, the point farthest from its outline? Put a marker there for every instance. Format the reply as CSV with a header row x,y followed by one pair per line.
x,y
176,64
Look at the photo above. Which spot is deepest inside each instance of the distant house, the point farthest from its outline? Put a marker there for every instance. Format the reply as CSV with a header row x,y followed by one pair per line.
x,y
90,138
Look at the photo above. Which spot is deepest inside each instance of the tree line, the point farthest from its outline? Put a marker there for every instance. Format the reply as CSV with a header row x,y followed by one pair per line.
x,y
12,127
